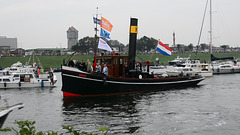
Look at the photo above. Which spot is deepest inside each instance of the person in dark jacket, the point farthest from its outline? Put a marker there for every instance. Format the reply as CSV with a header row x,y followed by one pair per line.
x,y
77,65
83,65
71,63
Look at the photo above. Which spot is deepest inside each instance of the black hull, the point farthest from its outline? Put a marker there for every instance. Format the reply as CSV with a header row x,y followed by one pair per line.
x,y
78,83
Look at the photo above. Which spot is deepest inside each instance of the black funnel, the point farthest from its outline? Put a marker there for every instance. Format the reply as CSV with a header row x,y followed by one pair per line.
x,y
132,43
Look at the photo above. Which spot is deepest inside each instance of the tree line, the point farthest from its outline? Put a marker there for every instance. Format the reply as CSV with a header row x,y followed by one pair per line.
x,y
144,45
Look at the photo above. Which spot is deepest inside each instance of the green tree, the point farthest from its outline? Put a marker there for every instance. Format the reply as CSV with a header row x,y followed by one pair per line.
x,y
146,44
115,43
190,47
224,47
85,45
204,46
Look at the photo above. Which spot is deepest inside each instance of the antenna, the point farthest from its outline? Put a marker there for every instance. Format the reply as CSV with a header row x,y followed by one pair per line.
x,y
210,26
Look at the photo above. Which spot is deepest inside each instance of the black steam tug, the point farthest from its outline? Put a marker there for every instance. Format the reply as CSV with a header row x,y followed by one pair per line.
x,y
79,83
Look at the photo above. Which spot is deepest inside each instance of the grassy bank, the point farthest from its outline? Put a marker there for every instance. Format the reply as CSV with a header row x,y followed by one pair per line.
x,y
56,61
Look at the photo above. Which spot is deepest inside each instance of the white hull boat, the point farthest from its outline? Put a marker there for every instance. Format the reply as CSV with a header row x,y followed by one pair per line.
x,y
27,80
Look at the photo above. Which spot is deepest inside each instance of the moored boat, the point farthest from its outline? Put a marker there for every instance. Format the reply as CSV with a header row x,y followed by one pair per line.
x,y
201,68
27,80
224,67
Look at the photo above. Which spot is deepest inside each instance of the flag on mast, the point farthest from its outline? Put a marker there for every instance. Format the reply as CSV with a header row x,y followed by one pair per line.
x,y
105,24
97,21
103,45
104,33
164,49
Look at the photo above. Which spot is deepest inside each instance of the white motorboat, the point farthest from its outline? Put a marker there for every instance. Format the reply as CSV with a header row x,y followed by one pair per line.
x,y
225,68
178,61
181,71
17,67
203,69
27,80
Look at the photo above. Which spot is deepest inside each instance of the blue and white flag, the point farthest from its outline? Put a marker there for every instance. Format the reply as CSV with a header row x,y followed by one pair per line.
x,y
164,49
104,33
98,21
103,45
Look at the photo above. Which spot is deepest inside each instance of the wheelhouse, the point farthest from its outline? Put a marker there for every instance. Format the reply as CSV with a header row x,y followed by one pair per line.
x,y
115,64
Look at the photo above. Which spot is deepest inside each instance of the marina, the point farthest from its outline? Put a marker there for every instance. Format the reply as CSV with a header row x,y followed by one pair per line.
x,y
210,108
91,75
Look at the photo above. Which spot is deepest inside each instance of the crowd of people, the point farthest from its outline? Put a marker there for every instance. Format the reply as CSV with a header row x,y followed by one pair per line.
x,y
88,67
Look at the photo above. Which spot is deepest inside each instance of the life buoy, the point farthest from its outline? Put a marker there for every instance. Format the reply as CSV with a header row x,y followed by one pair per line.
x,y
140,76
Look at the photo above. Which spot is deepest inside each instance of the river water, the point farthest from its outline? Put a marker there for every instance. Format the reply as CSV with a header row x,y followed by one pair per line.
x,y
212,108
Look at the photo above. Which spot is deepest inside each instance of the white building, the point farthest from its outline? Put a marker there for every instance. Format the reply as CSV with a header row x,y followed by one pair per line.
x,y
72,36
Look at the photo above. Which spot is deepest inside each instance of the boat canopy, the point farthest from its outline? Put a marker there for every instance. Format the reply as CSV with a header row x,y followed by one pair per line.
x,y
225,58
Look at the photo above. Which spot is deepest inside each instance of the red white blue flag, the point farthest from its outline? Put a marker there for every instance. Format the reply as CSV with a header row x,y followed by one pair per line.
x,y
164,49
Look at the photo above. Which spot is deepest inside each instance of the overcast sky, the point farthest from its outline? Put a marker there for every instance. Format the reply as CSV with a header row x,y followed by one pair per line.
x,y
43,23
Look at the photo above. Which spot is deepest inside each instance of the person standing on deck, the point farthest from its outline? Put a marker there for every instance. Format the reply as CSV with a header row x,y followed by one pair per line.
x,y
89,66
83,66
77,65
105,70
98,69
71,63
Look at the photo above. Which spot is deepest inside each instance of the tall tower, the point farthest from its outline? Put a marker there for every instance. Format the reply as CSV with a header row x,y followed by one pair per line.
x,y
72,36
173,39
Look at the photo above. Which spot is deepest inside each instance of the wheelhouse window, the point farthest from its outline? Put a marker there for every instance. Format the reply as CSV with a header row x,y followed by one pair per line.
x,y
6,80
120,61
16,75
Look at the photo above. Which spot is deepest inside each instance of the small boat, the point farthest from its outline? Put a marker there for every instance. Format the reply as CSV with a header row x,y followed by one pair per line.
x,y
17,67
27,80
123,76
225,68
178,61
201,68
181,71
4,111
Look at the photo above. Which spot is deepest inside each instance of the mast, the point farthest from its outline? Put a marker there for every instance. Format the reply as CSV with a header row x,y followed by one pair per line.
x,y
210,26
96,42
95,49
198,44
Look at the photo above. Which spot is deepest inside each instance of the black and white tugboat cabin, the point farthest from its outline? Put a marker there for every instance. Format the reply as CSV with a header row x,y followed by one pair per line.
x,y
123,75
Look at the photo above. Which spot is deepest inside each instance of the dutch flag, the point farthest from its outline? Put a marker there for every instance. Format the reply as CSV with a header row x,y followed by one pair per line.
x,y
164,49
